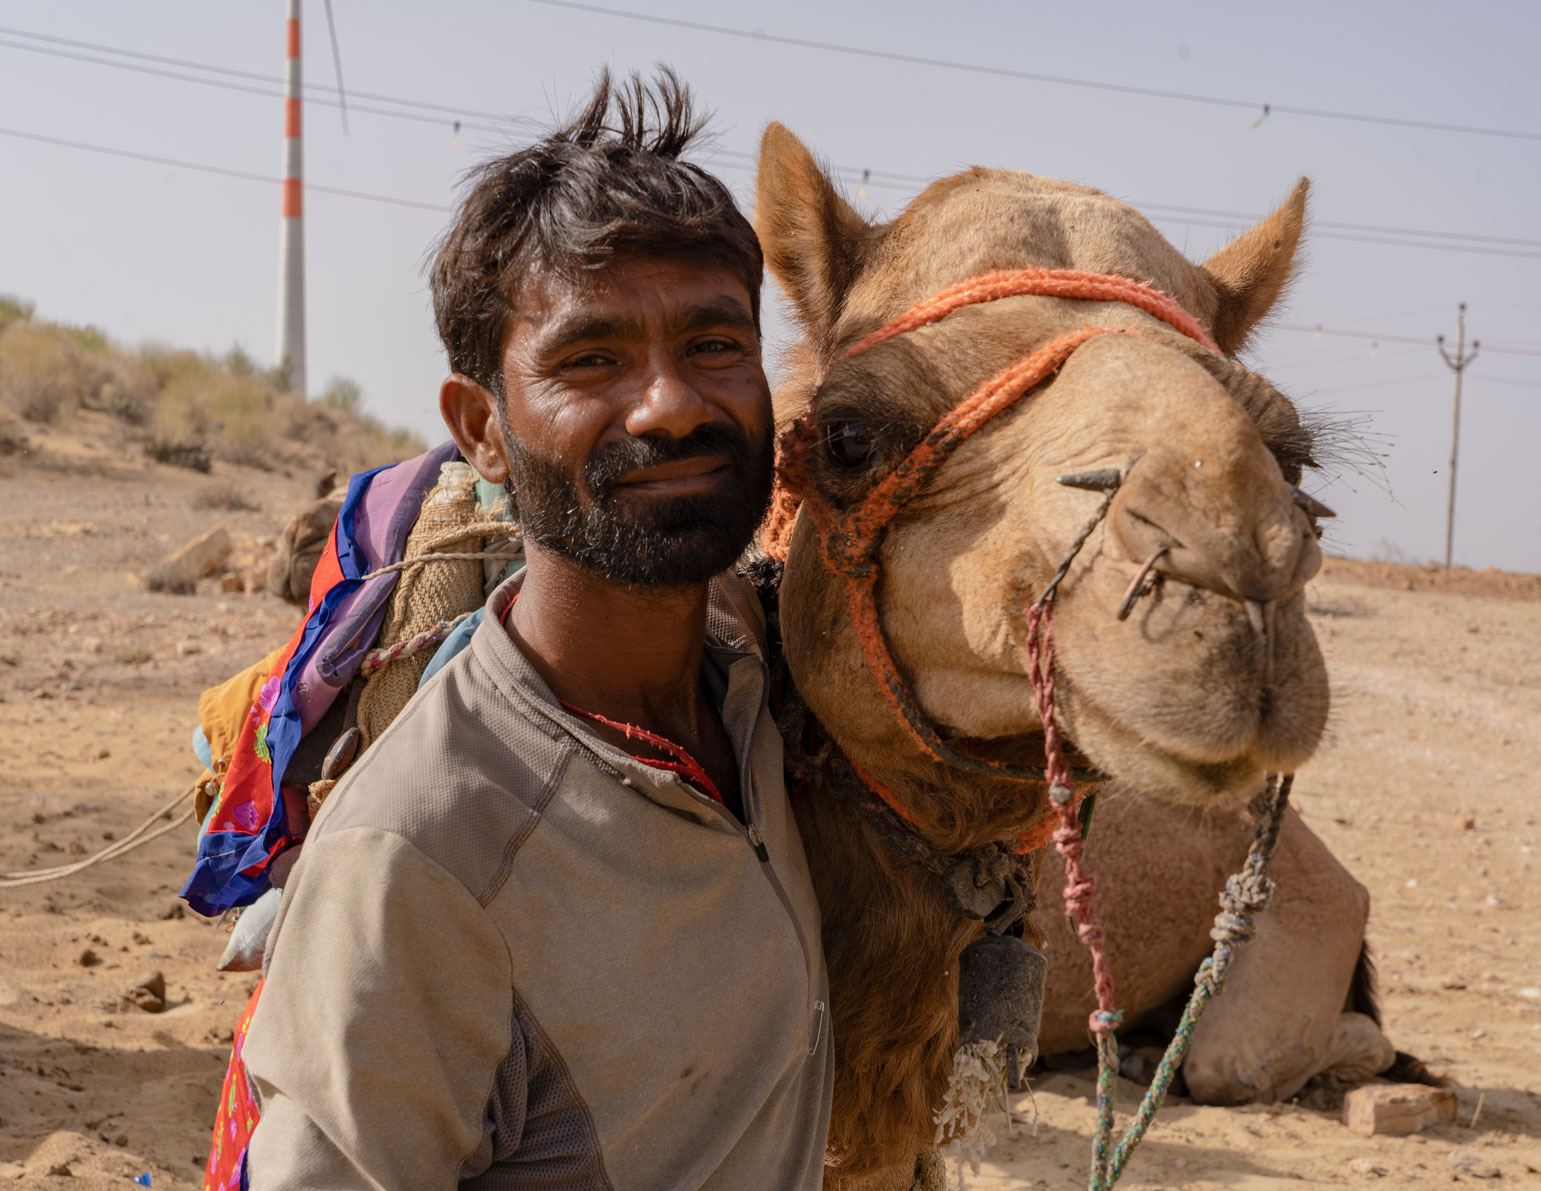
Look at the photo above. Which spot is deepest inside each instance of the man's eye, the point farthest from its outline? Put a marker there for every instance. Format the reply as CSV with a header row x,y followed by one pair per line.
x,y
715,346
588,360
850,444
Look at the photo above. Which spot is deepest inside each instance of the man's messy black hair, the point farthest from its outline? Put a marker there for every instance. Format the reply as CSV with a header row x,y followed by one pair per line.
x,y
610,183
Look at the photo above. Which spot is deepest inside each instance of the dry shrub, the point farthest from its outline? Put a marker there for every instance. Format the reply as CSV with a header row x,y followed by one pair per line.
x,y
192,455
231,500
229,415
14,310
13,435
44,373
129,389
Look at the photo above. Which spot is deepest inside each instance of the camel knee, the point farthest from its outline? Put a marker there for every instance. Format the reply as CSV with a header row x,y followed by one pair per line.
x,y
1354,1052
1358,1051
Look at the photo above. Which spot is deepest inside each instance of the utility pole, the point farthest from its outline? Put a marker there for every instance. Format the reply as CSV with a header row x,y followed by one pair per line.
x,y
1457,365
291,247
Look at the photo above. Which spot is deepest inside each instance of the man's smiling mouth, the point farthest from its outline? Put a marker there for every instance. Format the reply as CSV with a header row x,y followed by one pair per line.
x,y
700,473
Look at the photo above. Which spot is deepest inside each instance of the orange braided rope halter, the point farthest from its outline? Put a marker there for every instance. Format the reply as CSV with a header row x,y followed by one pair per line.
x,y
850,539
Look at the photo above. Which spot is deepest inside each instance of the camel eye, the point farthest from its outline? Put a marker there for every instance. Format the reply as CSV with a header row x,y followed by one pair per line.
x,y
850,444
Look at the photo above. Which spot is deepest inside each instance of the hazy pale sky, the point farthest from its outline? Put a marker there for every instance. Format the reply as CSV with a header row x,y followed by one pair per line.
x,y
154,251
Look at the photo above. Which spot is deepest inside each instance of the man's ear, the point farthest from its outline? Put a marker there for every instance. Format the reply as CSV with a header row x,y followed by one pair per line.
x,y
1251,271
812,238
471,412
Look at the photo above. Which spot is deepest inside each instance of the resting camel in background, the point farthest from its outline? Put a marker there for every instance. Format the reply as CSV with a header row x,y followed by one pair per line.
x,y
1214,678
1300,999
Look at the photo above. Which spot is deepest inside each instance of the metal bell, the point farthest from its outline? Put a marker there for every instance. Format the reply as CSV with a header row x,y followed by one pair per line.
x,y
1000,994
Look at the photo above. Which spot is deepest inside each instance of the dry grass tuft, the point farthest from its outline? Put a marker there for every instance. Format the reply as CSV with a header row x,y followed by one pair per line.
x,y
231,500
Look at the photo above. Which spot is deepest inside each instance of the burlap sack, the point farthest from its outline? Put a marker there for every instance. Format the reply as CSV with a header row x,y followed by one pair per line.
x,y
450,522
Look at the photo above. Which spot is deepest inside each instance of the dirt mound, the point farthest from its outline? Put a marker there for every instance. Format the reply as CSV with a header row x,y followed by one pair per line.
x,y
1490,582
184,408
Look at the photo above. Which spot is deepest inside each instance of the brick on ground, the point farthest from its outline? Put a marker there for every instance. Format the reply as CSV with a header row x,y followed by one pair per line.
x,y
1396,1109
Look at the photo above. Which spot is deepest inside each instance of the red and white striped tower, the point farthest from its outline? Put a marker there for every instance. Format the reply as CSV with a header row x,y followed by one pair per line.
x,y
291,245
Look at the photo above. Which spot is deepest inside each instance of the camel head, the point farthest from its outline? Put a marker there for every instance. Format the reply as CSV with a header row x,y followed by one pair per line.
x,y
1215,676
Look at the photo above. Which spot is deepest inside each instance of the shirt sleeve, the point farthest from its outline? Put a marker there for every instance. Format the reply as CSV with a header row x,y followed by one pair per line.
x,y
385,1013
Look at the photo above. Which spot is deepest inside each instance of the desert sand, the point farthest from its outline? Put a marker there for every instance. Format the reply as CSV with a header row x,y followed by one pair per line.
x,y
1426,788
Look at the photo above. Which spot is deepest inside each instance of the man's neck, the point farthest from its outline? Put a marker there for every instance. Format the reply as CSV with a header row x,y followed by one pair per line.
x,y
632,654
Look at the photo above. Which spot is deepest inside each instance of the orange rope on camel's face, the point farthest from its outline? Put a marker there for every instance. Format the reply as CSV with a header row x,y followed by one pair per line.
x,y
850,539
862,526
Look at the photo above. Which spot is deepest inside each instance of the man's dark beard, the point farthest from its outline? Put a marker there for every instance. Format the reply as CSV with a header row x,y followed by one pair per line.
x,y
660,541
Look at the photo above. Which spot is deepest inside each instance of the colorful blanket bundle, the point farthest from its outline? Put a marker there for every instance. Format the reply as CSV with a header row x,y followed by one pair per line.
x,y
256,816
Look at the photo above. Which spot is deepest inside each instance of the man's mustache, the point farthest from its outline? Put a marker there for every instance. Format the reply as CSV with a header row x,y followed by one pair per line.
x,y
615,459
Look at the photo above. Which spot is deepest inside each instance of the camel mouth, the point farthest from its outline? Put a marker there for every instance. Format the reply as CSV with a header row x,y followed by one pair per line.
x,y
1246,692
1132,757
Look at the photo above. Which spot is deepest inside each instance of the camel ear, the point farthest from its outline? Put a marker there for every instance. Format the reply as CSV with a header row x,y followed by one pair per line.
x,y
812,238
1251,271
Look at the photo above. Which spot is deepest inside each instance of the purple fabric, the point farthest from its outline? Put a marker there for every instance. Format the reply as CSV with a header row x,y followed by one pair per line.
x,y
382,521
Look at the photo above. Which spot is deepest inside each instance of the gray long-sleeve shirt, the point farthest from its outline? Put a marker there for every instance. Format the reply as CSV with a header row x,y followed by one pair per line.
x,y
512,956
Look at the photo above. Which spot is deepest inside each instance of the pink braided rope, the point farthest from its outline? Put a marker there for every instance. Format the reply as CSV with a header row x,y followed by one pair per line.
x,y
375,659
1080,885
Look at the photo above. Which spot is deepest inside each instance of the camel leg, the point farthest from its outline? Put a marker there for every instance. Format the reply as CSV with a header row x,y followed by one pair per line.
x,y
1281,1019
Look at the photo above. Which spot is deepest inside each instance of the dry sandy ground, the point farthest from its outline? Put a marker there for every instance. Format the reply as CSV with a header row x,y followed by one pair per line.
x,y
1438,703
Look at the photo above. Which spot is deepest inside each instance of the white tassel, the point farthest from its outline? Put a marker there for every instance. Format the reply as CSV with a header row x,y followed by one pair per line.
x,y
977,1085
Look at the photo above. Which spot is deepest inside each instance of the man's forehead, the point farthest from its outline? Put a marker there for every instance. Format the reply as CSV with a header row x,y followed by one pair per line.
x,y
629,287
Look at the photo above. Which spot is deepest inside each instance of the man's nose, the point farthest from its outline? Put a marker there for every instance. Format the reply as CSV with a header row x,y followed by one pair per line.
x,y
669,405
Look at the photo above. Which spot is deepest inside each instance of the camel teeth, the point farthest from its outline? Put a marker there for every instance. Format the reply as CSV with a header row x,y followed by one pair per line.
x,y
1255,615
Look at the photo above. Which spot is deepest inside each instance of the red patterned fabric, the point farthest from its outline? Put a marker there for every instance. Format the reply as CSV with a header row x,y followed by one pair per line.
x,y
237,1117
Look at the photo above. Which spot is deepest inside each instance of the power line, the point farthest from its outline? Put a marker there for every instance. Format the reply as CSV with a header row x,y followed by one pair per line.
x,y
1383,337
1322,229
202,168
233,72
271,93
1475,249
1317,224
1032,76
245,175
1370,384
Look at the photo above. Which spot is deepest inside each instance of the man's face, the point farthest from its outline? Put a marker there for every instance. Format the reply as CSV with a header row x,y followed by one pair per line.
x,y
637,420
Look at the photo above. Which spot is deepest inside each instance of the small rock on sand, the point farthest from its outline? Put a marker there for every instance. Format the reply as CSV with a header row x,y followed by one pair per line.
x,y
1396,1109
89,958
181,571
149,992
1466,1162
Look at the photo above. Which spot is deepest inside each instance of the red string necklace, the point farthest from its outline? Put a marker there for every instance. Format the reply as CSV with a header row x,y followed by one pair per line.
x,y
681,763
